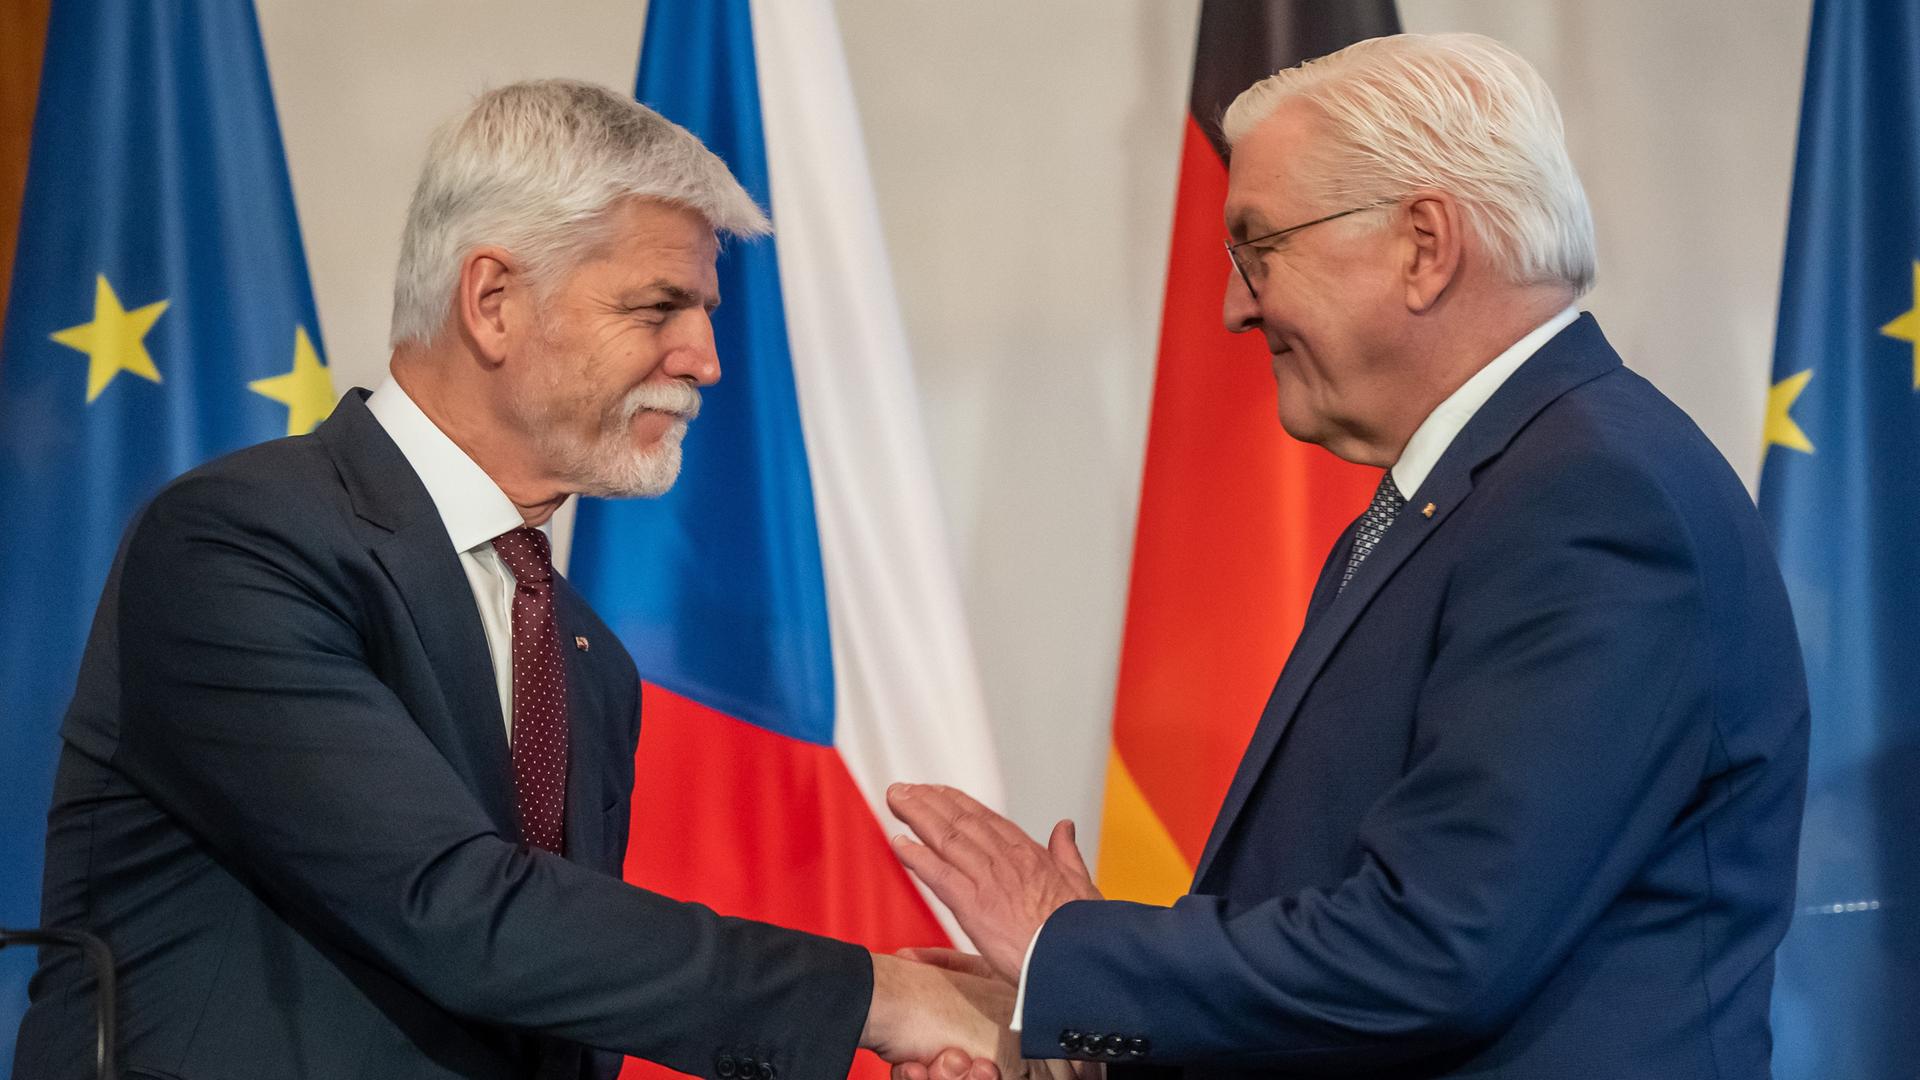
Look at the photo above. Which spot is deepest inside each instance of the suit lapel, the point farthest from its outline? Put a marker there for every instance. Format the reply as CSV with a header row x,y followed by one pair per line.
x,y
418,557
422,564
1328,586
1574,356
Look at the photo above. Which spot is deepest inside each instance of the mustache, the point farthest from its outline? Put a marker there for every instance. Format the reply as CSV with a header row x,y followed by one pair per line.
x,y
680,399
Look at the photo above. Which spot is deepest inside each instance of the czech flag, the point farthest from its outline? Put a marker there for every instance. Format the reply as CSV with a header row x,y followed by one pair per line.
x,y
790,603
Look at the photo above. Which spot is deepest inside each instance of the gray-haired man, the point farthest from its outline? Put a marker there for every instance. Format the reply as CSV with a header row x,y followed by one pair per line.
x,y
331,788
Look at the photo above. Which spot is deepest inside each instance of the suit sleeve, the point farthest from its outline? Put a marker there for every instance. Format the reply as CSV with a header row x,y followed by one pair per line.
x,y
252,716
1562,728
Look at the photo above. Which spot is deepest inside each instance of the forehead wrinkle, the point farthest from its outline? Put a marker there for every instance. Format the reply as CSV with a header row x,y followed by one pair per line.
x,y
1258,185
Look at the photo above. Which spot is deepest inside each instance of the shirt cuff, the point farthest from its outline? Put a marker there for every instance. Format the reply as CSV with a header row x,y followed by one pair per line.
x,y
1020,997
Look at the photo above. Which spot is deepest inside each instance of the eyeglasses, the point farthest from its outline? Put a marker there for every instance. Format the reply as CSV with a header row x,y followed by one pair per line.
x,y
1246,275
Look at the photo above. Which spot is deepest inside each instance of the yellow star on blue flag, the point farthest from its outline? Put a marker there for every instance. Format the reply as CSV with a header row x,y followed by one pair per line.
x,y
306,391
1907,326
115,341
1780,427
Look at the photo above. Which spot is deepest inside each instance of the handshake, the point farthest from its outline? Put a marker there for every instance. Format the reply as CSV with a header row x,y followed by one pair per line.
x,y
938,1014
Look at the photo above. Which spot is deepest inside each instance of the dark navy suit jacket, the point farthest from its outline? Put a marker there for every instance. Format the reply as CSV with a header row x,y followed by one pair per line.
x,y
284,800
1525,802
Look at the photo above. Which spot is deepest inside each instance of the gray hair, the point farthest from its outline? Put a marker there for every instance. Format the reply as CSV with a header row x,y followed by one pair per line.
x,y
1458,112
535,168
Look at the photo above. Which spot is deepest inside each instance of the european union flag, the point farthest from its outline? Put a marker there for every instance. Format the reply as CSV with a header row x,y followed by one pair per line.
x,y
160,316
1841,487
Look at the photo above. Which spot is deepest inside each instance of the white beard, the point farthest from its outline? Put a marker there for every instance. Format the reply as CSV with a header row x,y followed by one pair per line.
x,y
607,464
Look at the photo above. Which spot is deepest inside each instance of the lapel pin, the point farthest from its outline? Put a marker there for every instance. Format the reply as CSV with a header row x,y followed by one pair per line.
x,y
1425,511
580,642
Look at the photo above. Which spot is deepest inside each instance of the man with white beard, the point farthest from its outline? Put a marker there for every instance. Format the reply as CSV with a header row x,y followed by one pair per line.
x,y
345,782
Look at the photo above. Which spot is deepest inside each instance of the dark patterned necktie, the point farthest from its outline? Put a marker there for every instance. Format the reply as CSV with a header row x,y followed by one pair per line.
x,y
1386,504
539,691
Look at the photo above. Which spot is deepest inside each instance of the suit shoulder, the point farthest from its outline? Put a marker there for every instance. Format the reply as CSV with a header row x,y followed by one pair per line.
x,y
1619,435
279,477
1624,417
281,494
1614,463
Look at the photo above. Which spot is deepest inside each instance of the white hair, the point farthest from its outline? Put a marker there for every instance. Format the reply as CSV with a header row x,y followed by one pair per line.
x,y
535,168
1458,112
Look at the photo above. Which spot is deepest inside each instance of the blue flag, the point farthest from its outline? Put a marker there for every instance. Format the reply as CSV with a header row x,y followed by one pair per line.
x,y
160,316
1841,488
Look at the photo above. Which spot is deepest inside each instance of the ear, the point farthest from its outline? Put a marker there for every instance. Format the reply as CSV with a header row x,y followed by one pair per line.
x,y
488,302
1435,235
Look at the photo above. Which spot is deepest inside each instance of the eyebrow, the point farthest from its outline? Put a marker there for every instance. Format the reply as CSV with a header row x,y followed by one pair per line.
x,y
683,296
1247,223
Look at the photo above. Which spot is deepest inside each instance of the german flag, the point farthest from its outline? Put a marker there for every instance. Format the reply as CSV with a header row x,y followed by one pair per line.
x,y
1235,517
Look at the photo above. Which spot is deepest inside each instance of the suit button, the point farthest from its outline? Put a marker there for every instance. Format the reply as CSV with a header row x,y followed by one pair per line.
x,y
767,1071
725,1066
1113,1045
1070,1041
1138,1047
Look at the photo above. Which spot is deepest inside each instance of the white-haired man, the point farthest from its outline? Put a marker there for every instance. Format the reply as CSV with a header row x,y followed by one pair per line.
x,y
344,785
1525,800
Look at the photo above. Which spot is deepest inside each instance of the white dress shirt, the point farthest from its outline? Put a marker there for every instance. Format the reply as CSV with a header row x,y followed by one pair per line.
x,y
474,511
1430,440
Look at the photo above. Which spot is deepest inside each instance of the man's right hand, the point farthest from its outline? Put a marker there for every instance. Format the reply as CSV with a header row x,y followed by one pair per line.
x,y
919,1010
955,1064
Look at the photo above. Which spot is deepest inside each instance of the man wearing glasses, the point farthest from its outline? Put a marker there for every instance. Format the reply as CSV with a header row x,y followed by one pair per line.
x,y
1525,800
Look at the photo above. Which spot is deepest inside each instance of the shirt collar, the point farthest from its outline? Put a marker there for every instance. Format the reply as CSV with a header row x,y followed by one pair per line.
x,y
1446,421
472,507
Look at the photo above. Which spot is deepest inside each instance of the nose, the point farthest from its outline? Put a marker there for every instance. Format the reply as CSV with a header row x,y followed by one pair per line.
x,y
1239,308
694,357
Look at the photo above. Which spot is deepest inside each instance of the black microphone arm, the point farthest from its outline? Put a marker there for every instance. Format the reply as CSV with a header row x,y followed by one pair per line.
x,y
104,1009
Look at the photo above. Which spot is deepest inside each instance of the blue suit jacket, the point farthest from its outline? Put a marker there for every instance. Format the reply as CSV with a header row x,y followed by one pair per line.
x,y
1526,799
285,801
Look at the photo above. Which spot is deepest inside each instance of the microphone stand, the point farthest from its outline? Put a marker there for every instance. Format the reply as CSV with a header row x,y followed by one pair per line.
x,y
106,1035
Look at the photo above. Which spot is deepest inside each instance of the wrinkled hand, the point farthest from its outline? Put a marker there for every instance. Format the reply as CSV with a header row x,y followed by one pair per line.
x,y
999,883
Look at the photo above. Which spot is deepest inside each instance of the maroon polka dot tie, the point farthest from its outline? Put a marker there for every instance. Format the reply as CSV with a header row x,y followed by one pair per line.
x,y
539,691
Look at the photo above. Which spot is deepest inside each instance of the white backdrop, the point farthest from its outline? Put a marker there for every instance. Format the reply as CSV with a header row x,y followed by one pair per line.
x,y
1024,158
